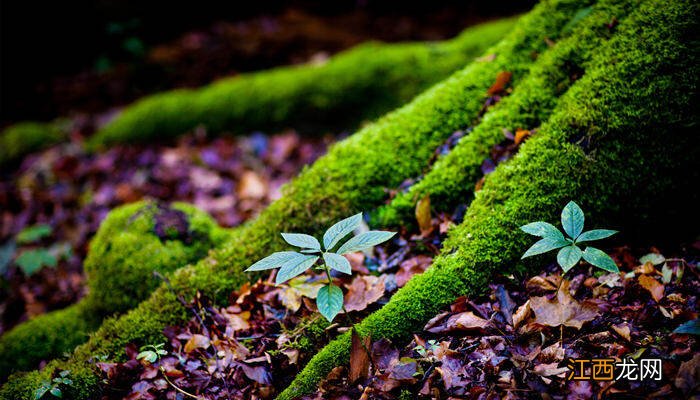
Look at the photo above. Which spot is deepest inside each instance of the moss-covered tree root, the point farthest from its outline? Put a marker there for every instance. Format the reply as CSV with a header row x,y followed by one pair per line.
x,y
356,85
351,177
451,179
133,242
621,144
26,137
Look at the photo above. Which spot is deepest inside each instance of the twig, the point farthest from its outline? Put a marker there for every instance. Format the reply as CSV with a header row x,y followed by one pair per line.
x,y
177,388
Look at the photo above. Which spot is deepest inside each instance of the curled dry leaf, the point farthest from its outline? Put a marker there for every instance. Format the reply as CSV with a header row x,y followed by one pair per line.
x,y
463,321
359,359
410,267
425,222
502,80
197,341
654,287
521,314
563,309
363,291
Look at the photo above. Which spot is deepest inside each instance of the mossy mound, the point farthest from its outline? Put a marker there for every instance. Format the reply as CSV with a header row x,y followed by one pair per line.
x,y
352,176
356,85
26,137
133,241
620,142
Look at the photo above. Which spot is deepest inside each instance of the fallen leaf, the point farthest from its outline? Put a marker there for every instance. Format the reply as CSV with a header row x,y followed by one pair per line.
x,y
521,134
197,341
251,186
423,217
654,287
507,304
540,283
363,291
563,309
463,321
521,314
359,359
688,376
623,330
502,80
410,267
646,268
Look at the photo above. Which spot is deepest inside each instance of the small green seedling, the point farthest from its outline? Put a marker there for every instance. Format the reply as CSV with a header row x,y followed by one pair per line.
x,y
291,263
31,257
431,346
151,353
570,253
53,386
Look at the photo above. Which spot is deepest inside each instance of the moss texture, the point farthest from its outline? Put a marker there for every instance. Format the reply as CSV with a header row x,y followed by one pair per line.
x,y
351,177
133,242
451,179
356,85
620,143
26,137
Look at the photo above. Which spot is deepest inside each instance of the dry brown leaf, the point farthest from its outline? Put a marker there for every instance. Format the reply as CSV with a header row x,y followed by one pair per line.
x,y
463,321
502,80
521,134
521,314
410,267
363,291
623,330
563,309
688,376
540,283
425,221
197,341
654,287
359,359
647,268
251,186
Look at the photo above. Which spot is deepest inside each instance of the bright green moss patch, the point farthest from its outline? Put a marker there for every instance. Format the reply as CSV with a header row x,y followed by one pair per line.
x,y
355,85
452,178
629,107
133,242
26,137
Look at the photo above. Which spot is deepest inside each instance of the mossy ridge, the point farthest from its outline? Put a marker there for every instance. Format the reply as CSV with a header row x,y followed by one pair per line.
x,y
635,104
120,264
26,137
451,179
353,86
350,178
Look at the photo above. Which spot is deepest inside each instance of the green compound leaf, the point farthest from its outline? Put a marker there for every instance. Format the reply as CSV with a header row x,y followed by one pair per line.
x,y
543,229
302,240
691,327
33,233
543,246
568,257
572,219
294,267
600,259
30,261
364,241
595,234
338,231
337,262
329,301
274,260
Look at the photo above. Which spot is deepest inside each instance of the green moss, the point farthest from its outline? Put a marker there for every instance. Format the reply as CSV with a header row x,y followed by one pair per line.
x,y
26,137
452,178
120,264
620,142
356,85
351,177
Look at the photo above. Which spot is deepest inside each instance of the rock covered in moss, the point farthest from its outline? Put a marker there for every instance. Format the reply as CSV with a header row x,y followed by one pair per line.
x,y
133,242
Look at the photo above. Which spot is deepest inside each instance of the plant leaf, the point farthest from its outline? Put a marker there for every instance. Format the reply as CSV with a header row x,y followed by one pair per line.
x,y
595,234
41,391
56,392
274,260
33,233
543,246
568,257
294,267
543,229
337,262
302,240
423,217
32,260
365,240
339,230
600,259
329,301
572,219
654,258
